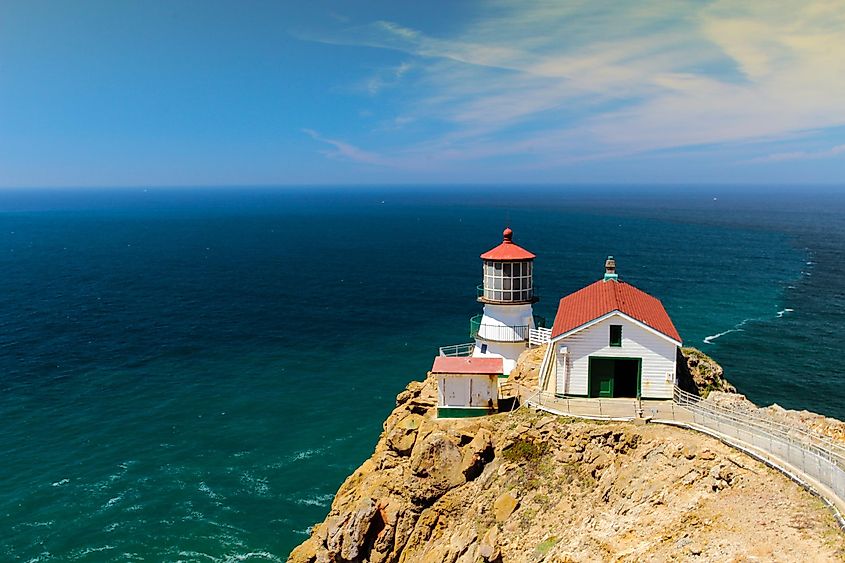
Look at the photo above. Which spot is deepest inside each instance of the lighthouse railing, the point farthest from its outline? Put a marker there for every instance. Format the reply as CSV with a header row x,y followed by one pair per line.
x,y
459,350
497,333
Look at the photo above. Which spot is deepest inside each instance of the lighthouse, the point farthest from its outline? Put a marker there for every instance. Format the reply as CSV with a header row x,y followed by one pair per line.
x,y
507,293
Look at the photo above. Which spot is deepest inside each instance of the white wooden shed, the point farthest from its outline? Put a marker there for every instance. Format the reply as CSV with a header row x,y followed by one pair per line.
x,y
467,386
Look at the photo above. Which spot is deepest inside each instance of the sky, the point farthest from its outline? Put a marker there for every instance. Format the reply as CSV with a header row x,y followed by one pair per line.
x,y
203,92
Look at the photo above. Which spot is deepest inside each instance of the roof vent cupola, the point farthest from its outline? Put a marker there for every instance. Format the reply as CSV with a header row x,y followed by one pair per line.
x,y
610,269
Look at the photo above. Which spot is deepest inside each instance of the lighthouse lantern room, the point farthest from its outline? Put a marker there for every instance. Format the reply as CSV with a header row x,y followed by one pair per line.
x,y
507,293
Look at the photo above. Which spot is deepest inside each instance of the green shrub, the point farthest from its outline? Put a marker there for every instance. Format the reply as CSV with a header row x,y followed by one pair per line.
x,y
523,450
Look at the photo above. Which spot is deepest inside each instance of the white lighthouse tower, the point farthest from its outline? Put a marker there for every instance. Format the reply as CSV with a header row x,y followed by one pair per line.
x,y
508,295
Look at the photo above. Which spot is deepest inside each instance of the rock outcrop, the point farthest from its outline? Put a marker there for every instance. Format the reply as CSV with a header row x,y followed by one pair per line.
x,y
700,374
527,370
525,486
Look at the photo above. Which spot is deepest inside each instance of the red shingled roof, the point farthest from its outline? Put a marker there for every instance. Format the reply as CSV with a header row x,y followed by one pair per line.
x,y
507,250
470,366
602,297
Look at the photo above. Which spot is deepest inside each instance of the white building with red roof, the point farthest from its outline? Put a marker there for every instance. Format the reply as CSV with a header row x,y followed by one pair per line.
x,y
466,386
611,339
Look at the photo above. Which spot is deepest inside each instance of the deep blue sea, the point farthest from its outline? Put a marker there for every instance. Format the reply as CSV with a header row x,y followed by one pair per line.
x,y
190,374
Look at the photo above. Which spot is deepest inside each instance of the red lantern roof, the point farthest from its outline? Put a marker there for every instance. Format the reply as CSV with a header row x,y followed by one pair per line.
x,y
468,366
603,297
507,250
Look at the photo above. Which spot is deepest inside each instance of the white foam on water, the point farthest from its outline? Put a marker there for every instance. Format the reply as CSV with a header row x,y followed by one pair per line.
x,y
90,550
265,555
113,501
305,454
257,485
194,556
712,337
46,524
315,500
782,312
62,482
737,328
207,490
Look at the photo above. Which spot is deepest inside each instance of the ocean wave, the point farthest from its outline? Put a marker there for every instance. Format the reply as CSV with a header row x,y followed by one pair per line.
x,y
82,553
207,490
712,337
738,326
62,482
315,500
114,500
194,556
265,555
305,454
256,485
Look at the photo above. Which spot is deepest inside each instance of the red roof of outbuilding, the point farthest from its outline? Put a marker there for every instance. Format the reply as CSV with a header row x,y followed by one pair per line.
x,y
469,366
507,250
603,297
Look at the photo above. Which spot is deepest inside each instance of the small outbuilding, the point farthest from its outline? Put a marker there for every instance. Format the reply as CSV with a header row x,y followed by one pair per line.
x,y
467,386
611,339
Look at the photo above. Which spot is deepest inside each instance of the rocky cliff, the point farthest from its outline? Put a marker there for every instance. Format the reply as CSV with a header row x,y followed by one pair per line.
x,y
529,487
699,374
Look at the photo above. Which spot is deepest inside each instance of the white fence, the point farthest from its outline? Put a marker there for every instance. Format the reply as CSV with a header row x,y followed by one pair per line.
x,y
812,454
457,349
539,336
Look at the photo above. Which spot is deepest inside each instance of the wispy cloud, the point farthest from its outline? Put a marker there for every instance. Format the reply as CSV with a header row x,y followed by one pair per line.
x,y
341,149
386,78
553,82
838,150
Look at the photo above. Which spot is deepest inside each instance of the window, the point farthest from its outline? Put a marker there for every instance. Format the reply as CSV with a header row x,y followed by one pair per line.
x,y
484,348
616,335
508,281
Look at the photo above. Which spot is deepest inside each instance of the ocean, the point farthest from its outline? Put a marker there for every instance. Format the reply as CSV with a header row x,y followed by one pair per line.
x,y
190,374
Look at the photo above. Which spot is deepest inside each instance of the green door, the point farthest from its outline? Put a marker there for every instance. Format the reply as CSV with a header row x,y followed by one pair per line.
x,y
601,377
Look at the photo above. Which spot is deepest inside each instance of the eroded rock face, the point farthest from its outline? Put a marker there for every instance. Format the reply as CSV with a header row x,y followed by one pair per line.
x,y
531,487
527,370
700,374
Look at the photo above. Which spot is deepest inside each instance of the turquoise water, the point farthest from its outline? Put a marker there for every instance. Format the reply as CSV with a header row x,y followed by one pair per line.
x,y
191,374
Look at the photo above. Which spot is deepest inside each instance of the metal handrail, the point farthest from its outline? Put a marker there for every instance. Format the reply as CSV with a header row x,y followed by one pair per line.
x,y
753,420
502,333
460,350
497,333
